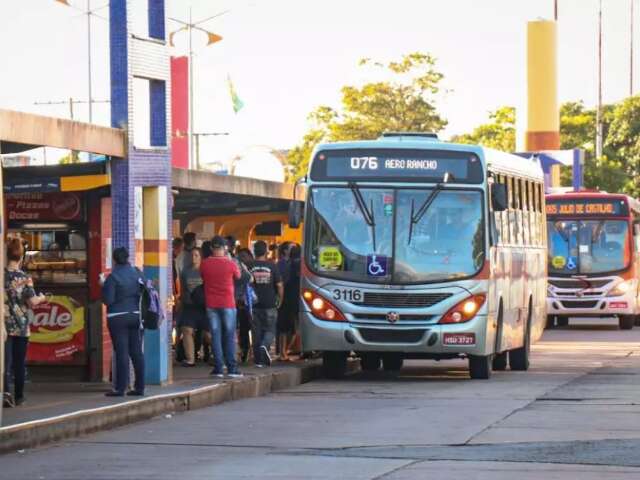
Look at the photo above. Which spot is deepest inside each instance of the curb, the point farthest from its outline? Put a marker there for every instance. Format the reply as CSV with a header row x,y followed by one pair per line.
x,y
50,430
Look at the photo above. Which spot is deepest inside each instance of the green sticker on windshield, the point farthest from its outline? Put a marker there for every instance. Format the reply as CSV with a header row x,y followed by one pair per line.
x,y
330,258
558,262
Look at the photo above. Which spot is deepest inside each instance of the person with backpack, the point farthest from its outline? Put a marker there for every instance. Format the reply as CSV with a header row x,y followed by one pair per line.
x,y
269,289
245,298
121,294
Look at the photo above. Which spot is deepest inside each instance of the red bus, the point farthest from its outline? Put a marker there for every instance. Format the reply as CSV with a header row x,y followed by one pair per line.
x,y
593,257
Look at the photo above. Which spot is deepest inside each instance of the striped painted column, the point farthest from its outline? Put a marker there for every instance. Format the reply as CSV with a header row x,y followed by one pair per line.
x,y
141,182
156,268
543,114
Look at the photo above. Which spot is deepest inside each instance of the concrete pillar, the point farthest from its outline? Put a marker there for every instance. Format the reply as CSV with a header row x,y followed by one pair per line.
x,y
543,115
141,183
156,267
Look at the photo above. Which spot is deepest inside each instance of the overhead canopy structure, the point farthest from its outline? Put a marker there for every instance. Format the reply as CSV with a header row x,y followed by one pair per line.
x,y
202,194
21,131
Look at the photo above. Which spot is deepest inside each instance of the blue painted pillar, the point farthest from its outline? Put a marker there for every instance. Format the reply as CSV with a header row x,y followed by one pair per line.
x,y
141,183
578,169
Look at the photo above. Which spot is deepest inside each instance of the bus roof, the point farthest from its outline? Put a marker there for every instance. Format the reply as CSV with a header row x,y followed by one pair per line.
x,y
494,160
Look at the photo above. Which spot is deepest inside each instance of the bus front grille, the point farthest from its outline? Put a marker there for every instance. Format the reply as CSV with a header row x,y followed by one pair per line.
x,y
407,300
576,283
579,303
384,317
381,335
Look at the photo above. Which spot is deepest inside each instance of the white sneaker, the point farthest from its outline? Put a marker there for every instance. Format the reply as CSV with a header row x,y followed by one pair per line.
x,y
259,365
235,375
265,353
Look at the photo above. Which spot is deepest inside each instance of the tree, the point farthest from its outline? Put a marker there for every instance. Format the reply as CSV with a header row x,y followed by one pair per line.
x,y
611,172
405,102
72,157
499,134
623,138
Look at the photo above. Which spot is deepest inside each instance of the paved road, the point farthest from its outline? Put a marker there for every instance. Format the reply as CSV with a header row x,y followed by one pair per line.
x,y
576,413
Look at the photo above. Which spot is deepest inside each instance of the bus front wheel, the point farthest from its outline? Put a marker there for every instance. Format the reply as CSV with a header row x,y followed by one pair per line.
x,y
392,361
334,364
480,367
370,362
551,321
500,361
625,322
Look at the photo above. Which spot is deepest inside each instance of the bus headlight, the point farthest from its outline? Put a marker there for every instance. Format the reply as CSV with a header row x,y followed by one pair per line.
x,y
321,307
465,310
620,289
550,292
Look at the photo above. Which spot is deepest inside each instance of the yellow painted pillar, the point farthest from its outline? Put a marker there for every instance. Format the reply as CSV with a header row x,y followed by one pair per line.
x,y
156,268
543,114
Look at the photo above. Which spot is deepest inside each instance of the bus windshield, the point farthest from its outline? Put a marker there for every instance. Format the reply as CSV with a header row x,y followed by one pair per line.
x,y
445,243
588,246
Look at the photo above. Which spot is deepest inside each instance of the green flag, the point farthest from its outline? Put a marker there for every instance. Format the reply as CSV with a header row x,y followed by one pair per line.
x,y
235,99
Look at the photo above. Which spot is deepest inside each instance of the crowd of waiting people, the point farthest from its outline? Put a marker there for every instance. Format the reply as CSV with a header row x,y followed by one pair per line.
x,y
235,305
226,297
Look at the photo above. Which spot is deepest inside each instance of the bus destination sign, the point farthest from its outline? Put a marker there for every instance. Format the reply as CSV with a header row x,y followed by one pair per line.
x,y
399,165
587,207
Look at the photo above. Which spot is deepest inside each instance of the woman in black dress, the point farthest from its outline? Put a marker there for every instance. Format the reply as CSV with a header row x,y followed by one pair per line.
x,y
192,309
290,303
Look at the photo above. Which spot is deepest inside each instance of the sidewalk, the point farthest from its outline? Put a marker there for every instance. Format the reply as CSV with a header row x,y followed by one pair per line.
x,y
55,411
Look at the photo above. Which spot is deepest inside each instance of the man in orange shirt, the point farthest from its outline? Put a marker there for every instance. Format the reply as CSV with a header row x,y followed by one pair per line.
x,y
218,274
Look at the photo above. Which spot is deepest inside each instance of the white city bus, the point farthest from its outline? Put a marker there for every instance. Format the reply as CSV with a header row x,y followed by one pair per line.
x,y
416,248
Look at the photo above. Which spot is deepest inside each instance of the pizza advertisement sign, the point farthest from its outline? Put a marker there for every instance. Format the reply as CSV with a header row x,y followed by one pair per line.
x,y
44,207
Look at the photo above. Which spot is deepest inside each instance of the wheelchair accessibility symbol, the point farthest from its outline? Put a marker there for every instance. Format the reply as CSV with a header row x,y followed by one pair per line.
x,y
571,263
377,265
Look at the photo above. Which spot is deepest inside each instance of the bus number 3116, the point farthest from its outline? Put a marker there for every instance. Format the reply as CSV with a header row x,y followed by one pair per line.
x,y
364,163
347,294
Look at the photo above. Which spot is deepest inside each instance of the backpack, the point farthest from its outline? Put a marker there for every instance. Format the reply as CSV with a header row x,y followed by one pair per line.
x,y
240,285
151,312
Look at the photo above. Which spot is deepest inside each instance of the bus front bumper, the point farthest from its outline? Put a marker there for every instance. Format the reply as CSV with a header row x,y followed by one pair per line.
x,y
469,338
591,307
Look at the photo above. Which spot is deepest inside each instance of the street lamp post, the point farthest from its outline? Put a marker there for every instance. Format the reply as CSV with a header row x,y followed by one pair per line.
x,y
631,50
90,100
89,13
599,108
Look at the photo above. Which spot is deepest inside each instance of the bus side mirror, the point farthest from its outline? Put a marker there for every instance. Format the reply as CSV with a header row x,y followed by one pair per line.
x,y
295,214
499,197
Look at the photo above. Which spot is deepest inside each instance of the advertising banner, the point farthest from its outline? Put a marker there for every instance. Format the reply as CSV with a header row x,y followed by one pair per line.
x,y
57,332
47,207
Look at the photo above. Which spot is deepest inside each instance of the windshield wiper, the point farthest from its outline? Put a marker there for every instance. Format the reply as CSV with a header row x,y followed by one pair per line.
x,y
364,210
417,216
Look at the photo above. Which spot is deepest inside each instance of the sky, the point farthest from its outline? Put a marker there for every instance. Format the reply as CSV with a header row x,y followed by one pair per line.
x,y
286,57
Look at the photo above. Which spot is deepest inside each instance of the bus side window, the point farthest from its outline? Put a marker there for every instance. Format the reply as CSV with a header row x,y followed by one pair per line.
x,y
530,215
525,212
540,212
636,234
517,212
504,215
509,212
